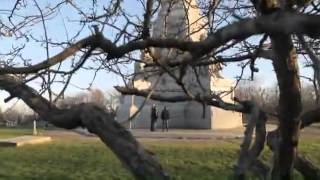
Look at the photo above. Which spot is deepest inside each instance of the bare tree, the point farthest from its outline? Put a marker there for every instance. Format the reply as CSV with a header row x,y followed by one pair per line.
x,y
98,98
113,99
231,26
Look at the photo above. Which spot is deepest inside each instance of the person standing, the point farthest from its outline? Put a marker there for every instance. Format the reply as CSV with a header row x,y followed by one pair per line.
x,y
165,116
154,117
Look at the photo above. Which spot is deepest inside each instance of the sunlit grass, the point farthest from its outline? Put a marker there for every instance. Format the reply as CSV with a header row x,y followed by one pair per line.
x,y
80,159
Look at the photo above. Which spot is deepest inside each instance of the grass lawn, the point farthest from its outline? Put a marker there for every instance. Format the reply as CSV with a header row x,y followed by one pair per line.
x,y
70,158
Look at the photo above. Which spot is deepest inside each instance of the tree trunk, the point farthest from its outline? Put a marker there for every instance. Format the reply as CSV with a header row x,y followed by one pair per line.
x,y
287,71
250,152
302,164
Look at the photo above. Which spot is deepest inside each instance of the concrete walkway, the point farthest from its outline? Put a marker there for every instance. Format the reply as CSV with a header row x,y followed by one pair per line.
x,y
234,133
174,134
188,134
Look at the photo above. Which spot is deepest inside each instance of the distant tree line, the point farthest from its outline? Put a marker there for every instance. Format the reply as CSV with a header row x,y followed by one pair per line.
x,y
268,97
109,101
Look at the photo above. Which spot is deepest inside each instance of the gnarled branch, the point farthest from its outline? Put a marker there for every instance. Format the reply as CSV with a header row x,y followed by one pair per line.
x,y
139,161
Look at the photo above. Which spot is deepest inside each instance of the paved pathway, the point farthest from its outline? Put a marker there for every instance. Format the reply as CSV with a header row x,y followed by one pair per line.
x,y
174,134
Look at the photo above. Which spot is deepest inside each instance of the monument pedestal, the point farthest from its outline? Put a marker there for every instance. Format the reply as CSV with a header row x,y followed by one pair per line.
x,y
183,115
179,20
186,115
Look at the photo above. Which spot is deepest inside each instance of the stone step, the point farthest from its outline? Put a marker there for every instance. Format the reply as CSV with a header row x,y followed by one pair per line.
x,y
24,140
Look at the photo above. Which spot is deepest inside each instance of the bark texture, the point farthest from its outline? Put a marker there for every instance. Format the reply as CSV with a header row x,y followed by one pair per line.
x,y
286,68
301,163
250,152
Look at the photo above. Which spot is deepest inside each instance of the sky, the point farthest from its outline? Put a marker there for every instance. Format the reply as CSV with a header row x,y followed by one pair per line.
x,y
104,80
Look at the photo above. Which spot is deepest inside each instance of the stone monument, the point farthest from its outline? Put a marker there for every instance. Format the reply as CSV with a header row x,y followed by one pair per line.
x,y
182,21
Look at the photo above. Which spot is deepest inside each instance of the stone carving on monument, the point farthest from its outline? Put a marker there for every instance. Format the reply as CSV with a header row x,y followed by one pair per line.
x,y
182,21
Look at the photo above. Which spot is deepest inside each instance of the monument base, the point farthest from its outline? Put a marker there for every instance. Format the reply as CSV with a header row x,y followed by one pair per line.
x,y
183,115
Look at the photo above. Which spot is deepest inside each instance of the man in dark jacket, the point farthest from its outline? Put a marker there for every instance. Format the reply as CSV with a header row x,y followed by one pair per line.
x,y
154,117
165,119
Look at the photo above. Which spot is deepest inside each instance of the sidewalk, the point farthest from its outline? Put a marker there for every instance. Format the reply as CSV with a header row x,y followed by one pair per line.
x,y
195,134
188,134
174,134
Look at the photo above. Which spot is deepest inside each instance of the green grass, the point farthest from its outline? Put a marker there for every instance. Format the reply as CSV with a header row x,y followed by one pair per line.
x,y
77,159
12,132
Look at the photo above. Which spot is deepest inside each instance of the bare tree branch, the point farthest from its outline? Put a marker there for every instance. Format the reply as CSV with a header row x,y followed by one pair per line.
x,y
269,24
212,100
139,161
